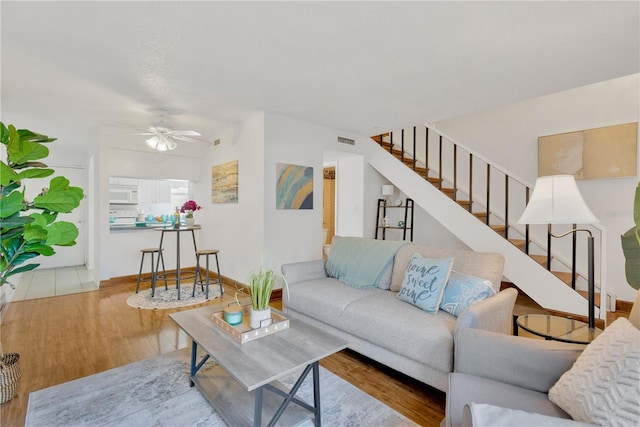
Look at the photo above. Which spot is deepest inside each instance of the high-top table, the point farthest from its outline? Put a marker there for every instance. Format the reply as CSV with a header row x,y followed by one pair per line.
x,y
244,371
177,231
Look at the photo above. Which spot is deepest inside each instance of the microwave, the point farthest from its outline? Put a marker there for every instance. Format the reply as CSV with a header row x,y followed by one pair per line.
x,y
123,195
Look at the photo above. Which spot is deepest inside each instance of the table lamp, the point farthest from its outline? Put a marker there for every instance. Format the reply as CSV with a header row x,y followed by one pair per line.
x,y
557,200
387,190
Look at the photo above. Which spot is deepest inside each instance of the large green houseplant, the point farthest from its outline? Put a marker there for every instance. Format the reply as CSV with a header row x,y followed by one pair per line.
x,y
28,228
631,245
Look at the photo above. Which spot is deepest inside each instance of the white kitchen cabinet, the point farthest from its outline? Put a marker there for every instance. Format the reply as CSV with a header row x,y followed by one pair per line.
x,y
154,191
125,182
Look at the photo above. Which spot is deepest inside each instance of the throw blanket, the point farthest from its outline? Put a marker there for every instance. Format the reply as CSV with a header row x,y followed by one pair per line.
x,y
359,262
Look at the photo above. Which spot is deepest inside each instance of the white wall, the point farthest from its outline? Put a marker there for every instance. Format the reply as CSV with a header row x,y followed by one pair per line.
x,y
236,229
350,184
509,135
253,230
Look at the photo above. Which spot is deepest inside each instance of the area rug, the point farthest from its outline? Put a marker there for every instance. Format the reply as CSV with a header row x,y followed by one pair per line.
x,y
164,299
156,392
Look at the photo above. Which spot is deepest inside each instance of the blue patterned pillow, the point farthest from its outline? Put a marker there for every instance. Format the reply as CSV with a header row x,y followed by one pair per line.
x,y
424,282
463,290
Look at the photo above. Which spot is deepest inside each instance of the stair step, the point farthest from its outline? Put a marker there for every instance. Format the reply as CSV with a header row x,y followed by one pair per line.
x,y
463,203
498,228
564,276
540,259
380,138
596,297
520,243
434,181
421,171
482,216
408,161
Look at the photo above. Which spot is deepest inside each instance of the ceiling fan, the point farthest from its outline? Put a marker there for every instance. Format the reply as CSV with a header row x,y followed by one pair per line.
x,y
163,138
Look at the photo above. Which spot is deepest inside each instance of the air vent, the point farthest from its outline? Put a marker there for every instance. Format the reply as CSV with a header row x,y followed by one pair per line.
x,y
216,142
343,140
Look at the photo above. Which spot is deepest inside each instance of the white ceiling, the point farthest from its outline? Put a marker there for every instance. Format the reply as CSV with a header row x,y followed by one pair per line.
x,y
361,67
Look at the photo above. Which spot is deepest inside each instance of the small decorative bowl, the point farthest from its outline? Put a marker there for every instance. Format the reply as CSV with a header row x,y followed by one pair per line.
x,y
233,315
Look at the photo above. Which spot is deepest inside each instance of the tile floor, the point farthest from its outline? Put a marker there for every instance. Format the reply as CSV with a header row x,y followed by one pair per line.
x,y
43,283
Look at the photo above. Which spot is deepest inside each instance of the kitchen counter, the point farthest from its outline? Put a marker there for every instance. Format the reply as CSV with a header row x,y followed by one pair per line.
x,y
147,226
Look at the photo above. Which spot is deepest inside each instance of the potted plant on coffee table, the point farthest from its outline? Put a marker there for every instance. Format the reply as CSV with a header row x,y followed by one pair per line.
x,y
260,287
29,228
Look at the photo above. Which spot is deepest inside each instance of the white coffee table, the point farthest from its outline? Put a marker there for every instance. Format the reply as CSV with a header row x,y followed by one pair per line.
x,y
235,388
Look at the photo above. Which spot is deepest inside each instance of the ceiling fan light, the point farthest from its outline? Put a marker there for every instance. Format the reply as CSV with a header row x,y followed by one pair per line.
x,y
152,142
171,144
164,143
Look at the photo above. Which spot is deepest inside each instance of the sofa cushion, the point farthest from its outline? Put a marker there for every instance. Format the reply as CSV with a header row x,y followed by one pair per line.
x,y
486,265
464,290
603,385
424,281
465,389
386,321
324,299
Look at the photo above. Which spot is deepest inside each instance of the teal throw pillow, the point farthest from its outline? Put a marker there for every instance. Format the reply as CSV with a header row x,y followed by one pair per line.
x,y
463,291
424,282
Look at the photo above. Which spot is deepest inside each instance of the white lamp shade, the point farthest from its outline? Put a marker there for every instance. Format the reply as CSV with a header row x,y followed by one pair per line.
x,y
557,200
387,190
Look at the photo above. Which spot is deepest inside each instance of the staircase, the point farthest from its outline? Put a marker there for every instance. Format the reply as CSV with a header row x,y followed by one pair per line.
x,y
439,176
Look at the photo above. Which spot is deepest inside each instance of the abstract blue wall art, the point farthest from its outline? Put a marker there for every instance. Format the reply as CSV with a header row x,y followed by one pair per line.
x,y
294,186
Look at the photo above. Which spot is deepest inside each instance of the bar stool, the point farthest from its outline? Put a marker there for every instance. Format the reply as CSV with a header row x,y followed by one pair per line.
x,y
206,252
154,270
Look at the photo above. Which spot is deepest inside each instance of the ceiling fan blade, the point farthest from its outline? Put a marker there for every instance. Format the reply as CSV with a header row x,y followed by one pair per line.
x,y
185,132
191,139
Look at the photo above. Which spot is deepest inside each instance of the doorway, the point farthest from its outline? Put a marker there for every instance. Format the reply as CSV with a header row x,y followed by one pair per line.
x,y
329,203
65,256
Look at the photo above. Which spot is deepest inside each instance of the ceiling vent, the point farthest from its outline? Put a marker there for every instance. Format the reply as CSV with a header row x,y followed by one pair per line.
x,y
348,141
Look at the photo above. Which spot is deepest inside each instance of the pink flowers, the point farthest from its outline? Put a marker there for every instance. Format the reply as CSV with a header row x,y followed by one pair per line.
x,y
189,206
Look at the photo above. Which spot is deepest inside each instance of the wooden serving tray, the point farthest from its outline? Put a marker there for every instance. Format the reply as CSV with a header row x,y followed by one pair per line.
x,y
243,332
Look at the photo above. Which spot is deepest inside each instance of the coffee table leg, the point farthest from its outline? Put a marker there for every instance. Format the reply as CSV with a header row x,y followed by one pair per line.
x,y
257,410
316,393
194,350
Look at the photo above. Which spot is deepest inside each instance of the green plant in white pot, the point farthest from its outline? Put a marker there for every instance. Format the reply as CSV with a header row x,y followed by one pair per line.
x,y
29,228
260,287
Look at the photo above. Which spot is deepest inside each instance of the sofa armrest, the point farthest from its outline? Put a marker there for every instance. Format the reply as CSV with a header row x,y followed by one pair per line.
x,y
529,363
492,314
481,415
301,271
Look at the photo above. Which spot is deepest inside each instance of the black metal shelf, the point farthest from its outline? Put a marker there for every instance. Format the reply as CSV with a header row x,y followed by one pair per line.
x,y
407,223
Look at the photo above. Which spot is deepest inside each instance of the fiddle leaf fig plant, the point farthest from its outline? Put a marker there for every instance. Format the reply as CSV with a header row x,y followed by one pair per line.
x,y
29,228
631,246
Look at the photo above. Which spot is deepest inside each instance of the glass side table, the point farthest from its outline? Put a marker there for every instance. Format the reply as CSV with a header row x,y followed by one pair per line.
x,y
557,328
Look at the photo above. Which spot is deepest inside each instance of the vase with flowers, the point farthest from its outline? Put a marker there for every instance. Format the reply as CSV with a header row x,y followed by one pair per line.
x,y
187,209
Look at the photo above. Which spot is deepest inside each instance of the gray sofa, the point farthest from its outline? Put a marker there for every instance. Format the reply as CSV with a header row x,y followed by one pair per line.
x,y
397,334
502,380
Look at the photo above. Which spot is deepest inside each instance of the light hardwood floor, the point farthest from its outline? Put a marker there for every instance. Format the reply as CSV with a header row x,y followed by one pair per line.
x,y
67,337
